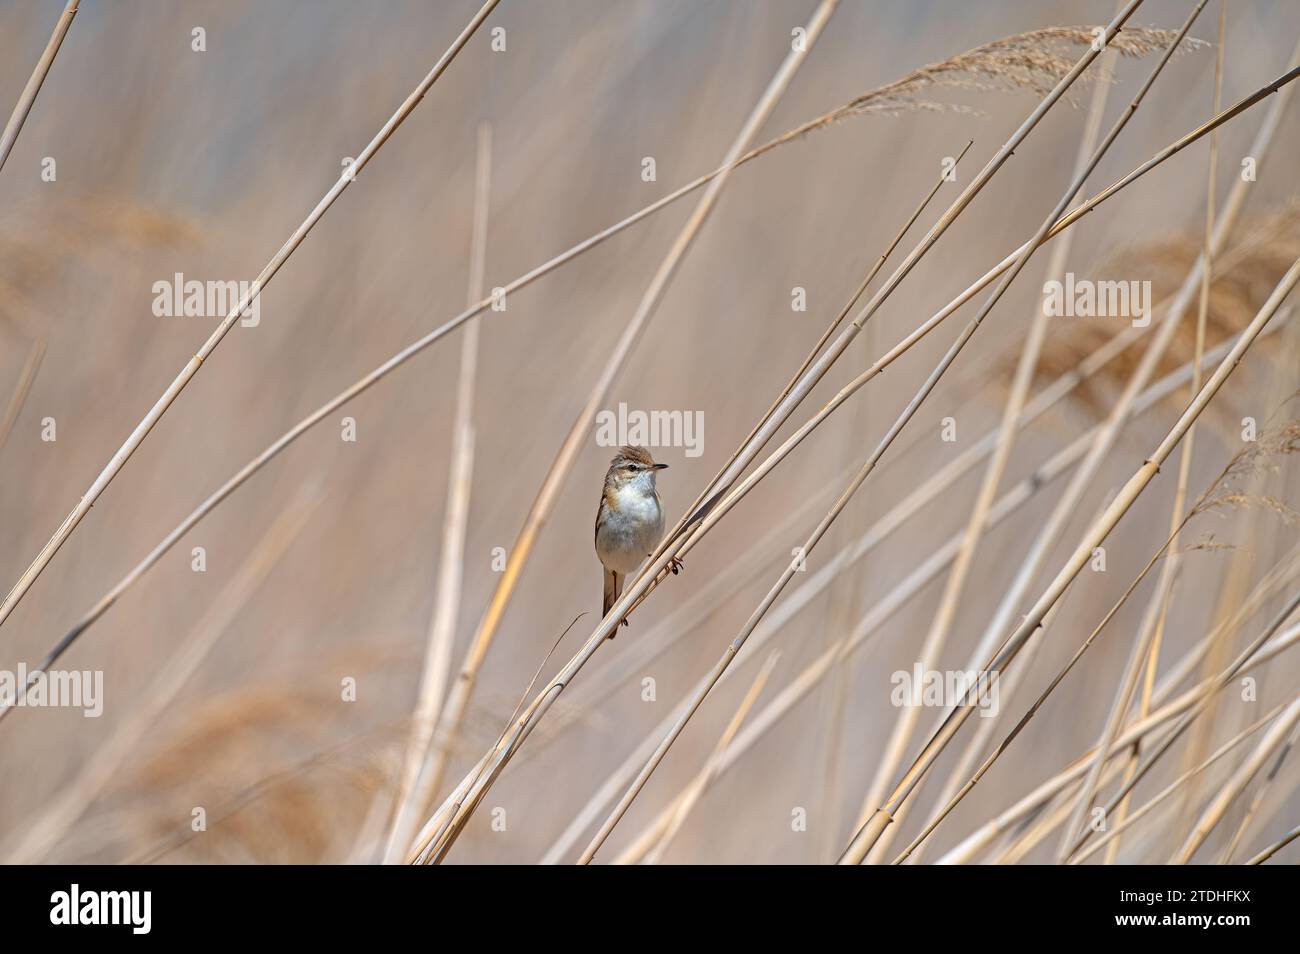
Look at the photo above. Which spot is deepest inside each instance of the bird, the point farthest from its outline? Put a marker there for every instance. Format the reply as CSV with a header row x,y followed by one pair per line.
x,y
629,520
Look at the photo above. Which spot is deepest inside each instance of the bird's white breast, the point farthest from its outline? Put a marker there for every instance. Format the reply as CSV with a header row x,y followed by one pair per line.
x,y
639,507
630,530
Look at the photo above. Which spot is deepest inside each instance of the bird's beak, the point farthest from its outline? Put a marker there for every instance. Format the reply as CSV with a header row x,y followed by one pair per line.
x,y
659,467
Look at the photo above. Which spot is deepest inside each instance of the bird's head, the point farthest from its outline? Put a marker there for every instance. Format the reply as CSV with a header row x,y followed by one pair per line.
x,y
634,466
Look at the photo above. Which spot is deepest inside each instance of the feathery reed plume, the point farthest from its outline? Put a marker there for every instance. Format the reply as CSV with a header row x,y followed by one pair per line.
x,y
1242,278
1034,61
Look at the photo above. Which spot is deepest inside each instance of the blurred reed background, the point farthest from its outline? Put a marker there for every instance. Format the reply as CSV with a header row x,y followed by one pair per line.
x,y
170,160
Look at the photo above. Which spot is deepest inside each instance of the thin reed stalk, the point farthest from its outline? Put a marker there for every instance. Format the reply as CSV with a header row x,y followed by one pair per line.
x,y
979,839
1258,800
1218,806
1083,479
568,451
941,622
414,791
58,815
1096,533
691,794
552,483
881,612
28,97
1202,705
187,373
26,377
926,389
1277,579
1274,848
718,508
1158,612
1111,837
109,599
1202,505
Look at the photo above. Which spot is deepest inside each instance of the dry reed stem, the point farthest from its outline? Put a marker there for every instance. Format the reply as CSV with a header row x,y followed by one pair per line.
x,y
1095,534
1274,848
1191,700
187,373
941,623
28,96
1193,703
1218,806
26,377
792,397
812,355
1082,480
1159,609
1134,732
1111,837
717,508
1202,706
926,389
1253,810
1119,413
414,794
691,794
753,442
1283,439
1203,504
1001,59
57,816
107,601
569,449
1242,255
901,422
888,605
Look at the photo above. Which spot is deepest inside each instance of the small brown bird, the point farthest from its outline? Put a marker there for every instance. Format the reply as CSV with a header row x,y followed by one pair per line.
x,y
630,520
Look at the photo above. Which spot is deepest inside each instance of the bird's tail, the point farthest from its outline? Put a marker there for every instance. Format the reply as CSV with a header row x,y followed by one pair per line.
x,y
613,587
